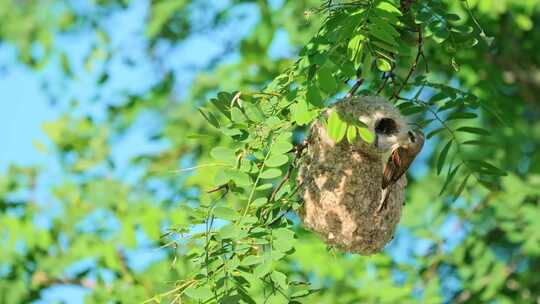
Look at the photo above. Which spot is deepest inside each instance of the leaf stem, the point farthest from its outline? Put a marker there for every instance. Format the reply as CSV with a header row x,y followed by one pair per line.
x,y
252,193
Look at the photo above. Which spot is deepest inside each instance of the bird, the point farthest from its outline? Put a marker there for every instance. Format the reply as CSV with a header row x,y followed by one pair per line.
x,y
401,157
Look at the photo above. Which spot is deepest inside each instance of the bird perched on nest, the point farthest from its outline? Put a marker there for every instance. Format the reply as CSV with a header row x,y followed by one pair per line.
x,y
341,181
402,154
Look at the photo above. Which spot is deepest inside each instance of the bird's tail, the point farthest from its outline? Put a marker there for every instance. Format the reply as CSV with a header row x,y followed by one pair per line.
x,y
384,198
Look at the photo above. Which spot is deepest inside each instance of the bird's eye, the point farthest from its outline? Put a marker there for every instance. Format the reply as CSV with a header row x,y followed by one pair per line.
x,y
412,138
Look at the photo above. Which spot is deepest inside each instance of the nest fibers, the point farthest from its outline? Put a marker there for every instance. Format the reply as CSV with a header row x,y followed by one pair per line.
x,y
341,183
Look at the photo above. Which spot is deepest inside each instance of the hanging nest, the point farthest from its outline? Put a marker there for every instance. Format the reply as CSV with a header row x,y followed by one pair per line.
x,y
341,183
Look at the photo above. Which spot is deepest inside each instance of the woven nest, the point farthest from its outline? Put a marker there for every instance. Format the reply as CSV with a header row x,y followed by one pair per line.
x,y
341,183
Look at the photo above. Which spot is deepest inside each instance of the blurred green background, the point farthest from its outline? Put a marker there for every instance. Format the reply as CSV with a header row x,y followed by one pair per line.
x,y
98,105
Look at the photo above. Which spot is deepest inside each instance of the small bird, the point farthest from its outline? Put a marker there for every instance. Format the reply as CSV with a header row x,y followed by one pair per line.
x,y
401,157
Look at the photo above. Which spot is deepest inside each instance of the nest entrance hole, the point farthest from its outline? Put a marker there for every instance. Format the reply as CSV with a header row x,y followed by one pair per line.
x,y
386,126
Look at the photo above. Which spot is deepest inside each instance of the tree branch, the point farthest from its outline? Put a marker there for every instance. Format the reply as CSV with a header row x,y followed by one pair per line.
x,y
420,54
355,88
299,149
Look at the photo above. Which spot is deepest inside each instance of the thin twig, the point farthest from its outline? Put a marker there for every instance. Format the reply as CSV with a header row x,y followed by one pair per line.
x,y
43,281
236,99
419,55
218,188
279,217
386,77
252,193
197,167
299,149
280,185
355,88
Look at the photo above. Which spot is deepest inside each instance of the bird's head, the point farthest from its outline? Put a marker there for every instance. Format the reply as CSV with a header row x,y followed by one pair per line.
x,y
415,139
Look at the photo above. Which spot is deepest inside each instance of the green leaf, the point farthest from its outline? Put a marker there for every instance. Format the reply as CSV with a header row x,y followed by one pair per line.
x,y
226,213
189,136
66,66
435,132
224,154
461,115
222,177
271,173
366,64
388,7
355,47
276,160
473,130
481,143
439,30
261,201
281,147
264,187
276,297
252,112
237,115
449,178
450,104
240,178
366,135
487,39
160,13
272,121
283,239
222,103
442,156
379,33
103,78
251,260
351,134
234,299
452,17
383,65
280,279
336,127
263,269
461,187
231,132
413,110
326,80
486,168
385,46
210,118
313,96
201,293
380,29
302,115
469,43
232,231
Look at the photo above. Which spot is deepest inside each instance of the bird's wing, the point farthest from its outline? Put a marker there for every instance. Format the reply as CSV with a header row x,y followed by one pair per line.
x,y
396,166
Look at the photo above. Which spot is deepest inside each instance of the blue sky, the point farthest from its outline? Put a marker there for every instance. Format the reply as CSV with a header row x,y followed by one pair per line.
x,y
23,109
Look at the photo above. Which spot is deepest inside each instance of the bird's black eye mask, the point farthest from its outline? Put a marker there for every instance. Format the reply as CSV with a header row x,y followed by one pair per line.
x,y
386,126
